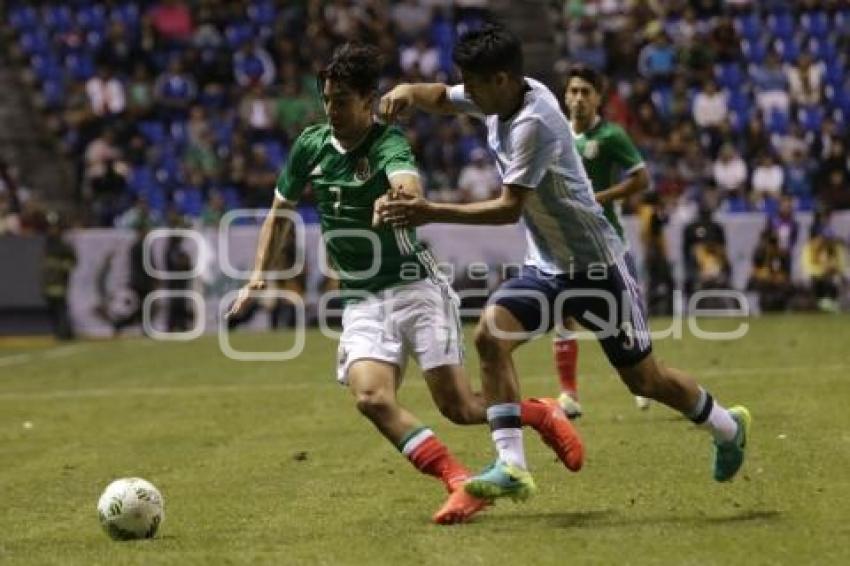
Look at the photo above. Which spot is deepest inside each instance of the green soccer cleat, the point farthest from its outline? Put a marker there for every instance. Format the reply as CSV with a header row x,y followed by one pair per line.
x,y
501,480
570,406
728,456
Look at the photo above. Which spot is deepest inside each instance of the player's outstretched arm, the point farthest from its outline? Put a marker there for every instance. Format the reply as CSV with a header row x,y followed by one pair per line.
x,y
274,233
428,97
506,209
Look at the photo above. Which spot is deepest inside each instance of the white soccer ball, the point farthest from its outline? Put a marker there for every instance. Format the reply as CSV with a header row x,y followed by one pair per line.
x,y
130,508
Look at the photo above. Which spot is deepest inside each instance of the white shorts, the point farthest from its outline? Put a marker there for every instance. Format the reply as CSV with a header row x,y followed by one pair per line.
x,y
421,319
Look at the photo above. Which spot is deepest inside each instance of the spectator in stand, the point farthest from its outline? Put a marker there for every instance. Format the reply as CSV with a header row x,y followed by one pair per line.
x,y
730,171
412,18
677,106
59,262
805,80
294,109
785,226
257,115
705,234
174,92
798,176
657,60
140,94
756,139
836,161
253,65
139,215
771,273
120,50
711,106
825,265
214,210
823,140
106,93
771,85
108,192
421,57
768,178
260,178
725,42
695,169
835,194
479,179
787,144
172,21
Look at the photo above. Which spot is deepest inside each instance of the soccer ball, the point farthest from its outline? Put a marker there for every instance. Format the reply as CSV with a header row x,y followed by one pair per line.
x,y
130,508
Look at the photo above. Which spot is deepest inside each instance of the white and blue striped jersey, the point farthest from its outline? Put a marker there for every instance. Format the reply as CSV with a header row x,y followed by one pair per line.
x,y
565,227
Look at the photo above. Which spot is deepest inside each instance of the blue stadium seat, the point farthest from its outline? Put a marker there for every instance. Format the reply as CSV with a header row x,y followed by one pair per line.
x,y
781,25
262,12
23,18
777,122
153,131
128,14
141,180
46,68
788,49
189,200
815,24
54,93
35,42
92,17
739,101
749,26
238,33
729,75
58,18
822,48
841,25
810,117
276,153
80,66
835,73
755,51
232,199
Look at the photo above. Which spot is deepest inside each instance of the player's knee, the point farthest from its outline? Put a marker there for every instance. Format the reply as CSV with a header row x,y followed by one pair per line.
x,y
489,346
373,404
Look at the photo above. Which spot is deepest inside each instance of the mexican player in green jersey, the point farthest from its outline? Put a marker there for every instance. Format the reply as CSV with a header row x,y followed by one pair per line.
x,y
616,171
397,303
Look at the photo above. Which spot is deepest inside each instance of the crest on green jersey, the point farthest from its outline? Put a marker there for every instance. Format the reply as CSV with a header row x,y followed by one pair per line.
x,y
591,149
362,171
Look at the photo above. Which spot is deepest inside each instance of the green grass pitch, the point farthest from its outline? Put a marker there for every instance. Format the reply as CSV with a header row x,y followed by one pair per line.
x,y
269,463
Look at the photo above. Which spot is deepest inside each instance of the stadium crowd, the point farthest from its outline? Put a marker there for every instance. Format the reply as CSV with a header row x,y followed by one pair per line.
x,y
183,110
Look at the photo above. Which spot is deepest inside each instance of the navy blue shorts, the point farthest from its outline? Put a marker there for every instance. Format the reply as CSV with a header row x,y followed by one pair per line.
x,y
605,300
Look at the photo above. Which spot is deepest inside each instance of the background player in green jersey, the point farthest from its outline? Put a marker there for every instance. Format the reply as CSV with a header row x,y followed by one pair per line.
x,y
616,171
397,304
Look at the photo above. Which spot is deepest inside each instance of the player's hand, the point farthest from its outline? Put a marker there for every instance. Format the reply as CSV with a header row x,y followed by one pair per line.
x,y
244,298
406,212
397,102
378,209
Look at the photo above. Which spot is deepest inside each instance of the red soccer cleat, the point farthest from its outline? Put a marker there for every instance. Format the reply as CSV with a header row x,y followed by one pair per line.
x,y
560,435
458,508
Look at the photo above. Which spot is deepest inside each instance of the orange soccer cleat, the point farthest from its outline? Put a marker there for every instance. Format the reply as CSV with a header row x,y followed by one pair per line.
x,y
560,435
458,508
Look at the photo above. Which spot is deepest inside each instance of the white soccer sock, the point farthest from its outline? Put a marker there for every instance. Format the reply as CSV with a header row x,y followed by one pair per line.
x,y
723,426
508,443
710,414
506,431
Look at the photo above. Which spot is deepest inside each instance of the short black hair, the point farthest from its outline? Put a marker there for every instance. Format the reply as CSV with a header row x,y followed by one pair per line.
x,y
488,50
355,65
588,74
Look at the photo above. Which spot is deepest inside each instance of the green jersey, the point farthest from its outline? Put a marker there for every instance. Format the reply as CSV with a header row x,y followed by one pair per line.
x,y
608,154
346,185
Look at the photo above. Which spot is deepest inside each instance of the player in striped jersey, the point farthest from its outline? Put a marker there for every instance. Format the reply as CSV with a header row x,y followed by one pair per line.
x,y
397,304
574,261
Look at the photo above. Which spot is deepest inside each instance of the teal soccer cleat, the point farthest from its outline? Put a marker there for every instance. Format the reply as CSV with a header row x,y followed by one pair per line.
x,y
728,456
501,480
